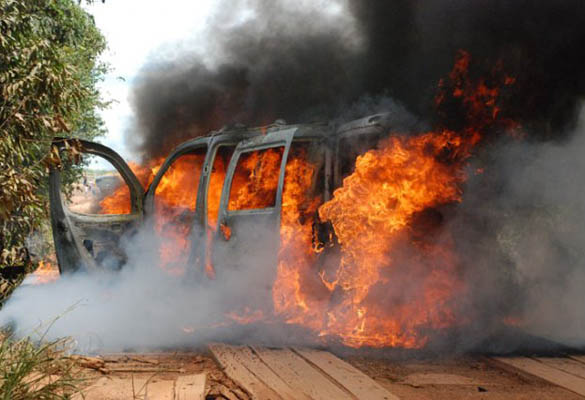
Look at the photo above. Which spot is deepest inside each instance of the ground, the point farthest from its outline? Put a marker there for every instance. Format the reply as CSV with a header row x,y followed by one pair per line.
x,y
433,378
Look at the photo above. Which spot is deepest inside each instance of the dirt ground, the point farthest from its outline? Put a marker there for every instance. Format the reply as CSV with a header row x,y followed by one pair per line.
x,y
434,379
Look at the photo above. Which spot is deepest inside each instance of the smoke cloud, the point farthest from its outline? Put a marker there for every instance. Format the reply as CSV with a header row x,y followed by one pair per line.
x,y
264,60
145,307
520,231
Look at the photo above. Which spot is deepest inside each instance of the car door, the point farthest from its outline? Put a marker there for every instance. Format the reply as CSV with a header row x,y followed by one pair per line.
x,y
104,204
173,208
246,240
219,154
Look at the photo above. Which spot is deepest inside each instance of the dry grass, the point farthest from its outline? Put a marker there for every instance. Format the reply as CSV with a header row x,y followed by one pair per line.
x,y
37,370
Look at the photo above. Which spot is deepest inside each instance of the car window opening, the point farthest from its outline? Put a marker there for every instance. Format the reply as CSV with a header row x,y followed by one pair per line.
x,y
255,180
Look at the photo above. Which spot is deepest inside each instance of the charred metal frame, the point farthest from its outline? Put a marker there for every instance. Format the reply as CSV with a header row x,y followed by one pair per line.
x,y
69,227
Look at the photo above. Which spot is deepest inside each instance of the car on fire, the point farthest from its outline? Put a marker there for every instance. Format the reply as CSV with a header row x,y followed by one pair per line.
x,y
220,167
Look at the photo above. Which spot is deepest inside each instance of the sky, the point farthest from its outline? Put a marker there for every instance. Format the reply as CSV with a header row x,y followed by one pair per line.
x,y
136,32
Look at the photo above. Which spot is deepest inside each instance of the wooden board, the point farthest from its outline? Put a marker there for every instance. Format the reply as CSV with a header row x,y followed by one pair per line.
x,y
300,375
159,390
267,375
37,381
244,356
564,364
296,374
190,387
353,380
581,359
236,370
546,372
127,388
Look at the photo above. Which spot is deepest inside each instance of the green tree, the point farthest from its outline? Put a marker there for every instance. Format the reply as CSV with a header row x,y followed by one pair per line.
x,y
48,75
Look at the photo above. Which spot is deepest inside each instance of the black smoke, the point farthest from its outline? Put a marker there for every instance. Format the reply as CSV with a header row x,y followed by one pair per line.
x,y
281,63
266,60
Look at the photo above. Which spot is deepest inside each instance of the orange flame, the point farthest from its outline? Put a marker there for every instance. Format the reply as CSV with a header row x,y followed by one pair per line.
x,y
373,294
175,199
370,215
247,316
45,273
255,180
296,255
119,201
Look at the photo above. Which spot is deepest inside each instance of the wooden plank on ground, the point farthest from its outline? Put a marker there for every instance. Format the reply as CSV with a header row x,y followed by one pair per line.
x,y
128,388
564,364
300,375
190,387
36,381
359,384
254,364
546,372
233,367
581,359
158,390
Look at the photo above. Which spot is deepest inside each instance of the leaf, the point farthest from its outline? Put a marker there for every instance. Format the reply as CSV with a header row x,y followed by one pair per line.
x,y
62,123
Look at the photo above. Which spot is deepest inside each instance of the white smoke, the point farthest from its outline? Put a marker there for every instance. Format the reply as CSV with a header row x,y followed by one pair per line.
x,y
520,233
544,234
141,307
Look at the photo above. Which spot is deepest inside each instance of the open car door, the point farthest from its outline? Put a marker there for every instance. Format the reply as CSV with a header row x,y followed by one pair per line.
x,y
105,202
246,241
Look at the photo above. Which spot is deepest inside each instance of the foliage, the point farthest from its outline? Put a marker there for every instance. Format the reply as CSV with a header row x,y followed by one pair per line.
x,y
32,370
48,75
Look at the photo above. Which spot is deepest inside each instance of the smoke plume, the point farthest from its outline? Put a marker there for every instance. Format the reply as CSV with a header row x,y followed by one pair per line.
x,y
264,60
144,306
520,231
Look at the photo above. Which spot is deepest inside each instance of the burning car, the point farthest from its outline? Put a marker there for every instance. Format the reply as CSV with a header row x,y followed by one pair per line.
x,y
325,222
249,200
235,175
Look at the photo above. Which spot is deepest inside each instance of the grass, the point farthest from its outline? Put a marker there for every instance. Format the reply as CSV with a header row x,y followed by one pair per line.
x,y
37,370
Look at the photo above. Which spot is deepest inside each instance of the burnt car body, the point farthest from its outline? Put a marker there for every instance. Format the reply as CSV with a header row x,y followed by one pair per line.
x,y
93,241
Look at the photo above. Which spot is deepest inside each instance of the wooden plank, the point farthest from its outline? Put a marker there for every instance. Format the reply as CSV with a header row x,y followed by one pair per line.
x,y
159,390
300,375
359,384
228,360
254,364
37,381
581,359
564,364
546,372
190,387
127,388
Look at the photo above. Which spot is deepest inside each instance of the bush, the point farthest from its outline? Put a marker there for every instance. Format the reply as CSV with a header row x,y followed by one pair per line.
x,y
48,75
